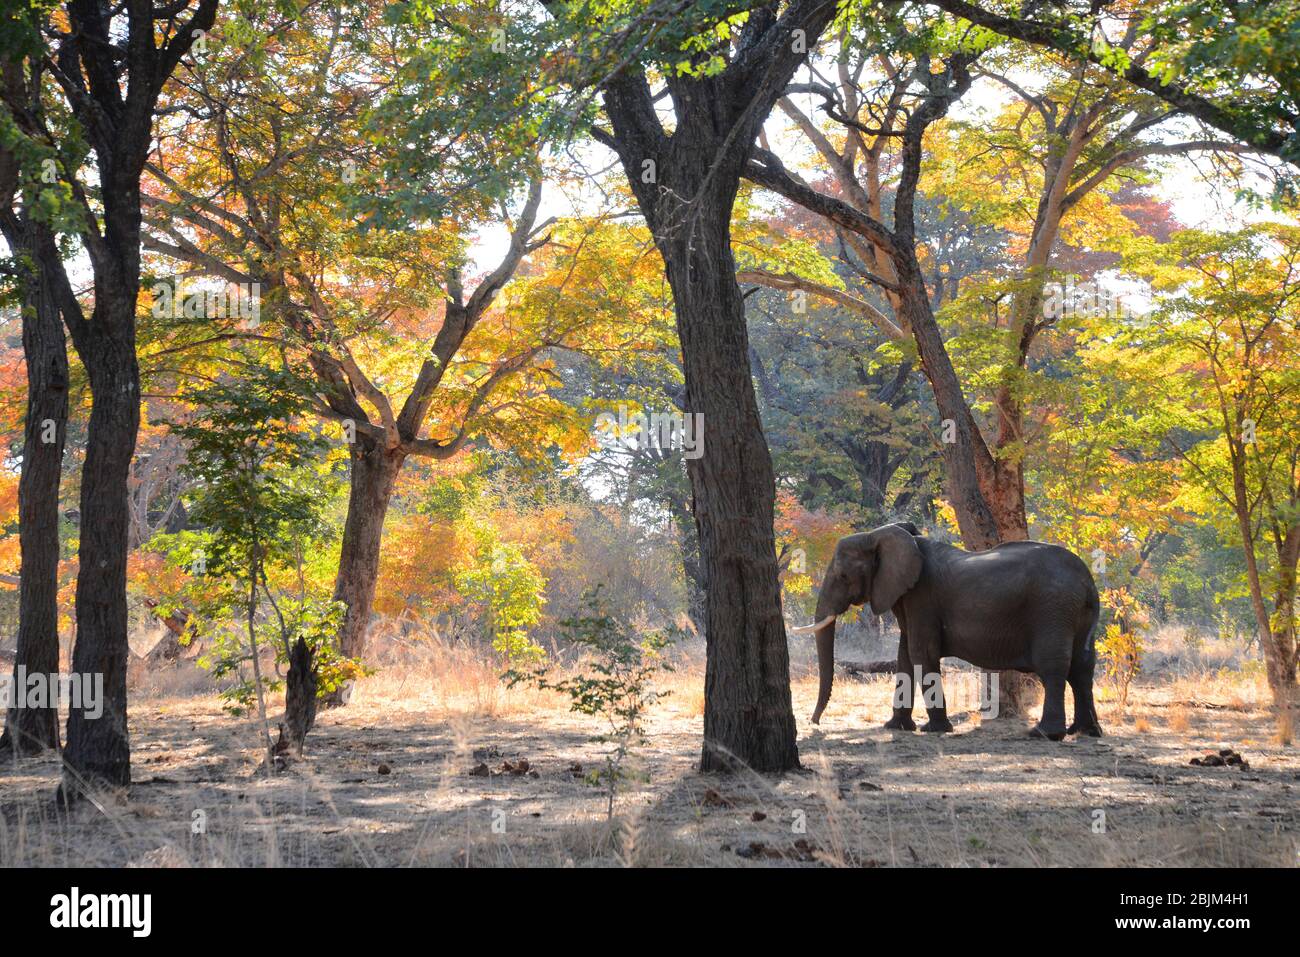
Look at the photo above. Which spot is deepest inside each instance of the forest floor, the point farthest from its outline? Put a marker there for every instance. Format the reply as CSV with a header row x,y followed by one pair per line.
x,y
435,763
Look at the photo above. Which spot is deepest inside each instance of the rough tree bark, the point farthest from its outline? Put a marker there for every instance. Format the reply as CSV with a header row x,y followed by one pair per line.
x,y
98,749
28,730
688,540
685,184
748,715
374,473
111,67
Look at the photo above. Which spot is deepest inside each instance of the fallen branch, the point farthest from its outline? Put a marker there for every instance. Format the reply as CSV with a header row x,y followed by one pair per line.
x,y
888,667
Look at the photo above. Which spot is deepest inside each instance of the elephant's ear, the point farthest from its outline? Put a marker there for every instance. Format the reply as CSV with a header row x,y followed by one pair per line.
x,y
898,566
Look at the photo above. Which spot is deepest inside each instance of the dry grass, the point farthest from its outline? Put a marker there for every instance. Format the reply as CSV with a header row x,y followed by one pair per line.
x,y
985,796
1285,727
1179,720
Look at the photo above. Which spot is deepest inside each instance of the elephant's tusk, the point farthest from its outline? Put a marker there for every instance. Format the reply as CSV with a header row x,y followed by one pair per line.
x,y
809,629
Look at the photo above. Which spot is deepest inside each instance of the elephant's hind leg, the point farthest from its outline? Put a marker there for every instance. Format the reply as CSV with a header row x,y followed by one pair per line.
x,y
1052,724
1051,658
1085,708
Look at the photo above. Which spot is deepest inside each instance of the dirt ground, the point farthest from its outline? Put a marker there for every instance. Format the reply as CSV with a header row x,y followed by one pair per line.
x,y
428,769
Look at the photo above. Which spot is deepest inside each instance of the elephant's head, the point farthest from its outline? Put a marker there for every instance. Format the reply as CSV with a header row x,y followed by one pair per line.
x,y
878,566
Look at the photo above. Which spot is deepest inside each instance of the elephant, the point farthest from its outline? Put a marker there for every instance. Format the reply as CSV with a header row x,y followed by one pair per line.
x,y
1025,606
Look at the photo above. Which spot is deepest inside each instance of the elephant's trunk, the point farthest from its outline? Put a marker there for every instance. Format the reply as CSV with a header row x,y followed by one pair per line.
x,y
825,636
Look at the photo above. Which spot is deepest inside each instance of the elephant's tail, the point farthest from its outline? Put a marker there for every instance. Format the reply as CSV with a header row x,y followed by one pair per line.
x,y
1083,638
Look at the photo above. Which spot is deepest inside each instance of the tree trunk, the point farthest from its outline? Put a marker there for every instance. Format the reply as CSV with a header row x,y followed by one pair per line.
x,y
299,700
98,750
29,730
1280,668
118,51
374,474
688,541
1006,494
874,466
1284,632
1279,648
685,183
986,509
960,441
748,716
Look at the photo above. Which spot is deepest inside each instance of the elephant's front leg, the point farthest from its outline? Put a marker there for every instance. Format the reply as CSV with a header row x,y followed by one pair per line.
x,y
904,692
932,696
925,646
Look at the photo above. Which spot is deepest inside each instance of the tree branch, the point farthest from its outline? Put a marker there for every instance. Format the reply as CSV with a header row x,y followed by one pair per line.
x,y
788,281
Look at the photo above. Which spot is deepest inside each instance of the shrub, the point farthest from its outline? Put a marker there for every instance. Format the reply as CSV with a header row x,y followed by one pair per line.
x,y
1120,648
618,685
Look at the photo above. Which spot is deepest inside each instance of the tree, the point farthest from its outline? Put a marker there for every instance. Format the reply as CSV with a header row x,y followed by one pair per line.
x,y
358,245
106,69
29,230
1088,134
913,96
1091,130
1224,337
722,76
926,93
819,367
31,729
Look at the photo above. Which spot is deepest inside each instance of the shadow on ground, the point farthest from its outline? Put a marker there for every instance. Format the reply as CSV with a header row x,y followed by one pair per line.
x,y
385,784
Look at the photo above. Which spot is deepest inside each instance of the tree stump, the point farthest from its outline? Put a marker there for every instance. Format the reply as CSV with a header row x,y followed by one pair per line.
x,y
299,700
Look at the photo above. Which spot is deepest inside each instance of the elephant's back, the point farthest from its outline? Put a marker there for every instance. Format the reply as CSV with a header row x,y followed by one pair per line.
x,y
997,602
1060,578
1032,569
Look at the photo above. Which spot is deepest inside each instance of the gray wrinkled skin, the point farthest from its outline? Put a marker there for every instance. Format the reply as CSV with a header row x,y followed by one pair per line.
x,y
1024,606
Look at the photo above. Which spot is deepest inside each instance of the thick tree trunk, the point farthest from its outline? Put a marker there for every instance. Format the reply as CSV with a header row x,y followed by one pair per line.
x,y
1006,500
685,184
98,750
126,70
29,730
748,717
374,474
